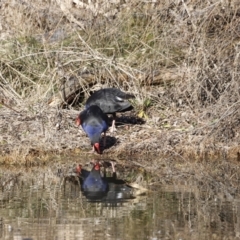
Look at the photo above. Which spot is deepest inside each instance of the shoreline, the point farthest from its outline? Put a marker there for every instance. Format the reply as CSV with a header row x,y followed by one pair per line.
x,y
46,131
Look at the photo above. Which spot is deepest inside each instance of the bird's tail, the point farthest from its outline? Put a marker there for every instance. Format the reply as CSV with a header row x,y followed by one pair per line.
x,y
129,96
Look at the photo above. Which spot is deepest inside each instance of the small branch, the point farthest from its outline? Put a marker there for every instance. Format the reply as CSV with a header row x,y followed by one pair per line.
x,y
6,105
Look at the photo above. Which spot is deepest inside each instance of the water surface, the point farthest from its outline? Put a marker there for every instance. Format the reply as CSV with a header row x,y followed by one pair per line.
x,y
45,207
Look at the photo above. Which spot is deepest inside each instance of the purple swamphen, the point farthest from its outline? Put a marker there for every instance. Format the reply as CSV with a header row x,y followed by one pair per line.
x,y
98,187
111,101
94,122
93,184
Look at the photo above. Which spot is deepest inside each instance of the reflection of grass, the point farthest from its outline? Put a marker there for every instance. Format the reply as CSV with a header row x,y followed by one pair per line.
x,y
180,59
183,192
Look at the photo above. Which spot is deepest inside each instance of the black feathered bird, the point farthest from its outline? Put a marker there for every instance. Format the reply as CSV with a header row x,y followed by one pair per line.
x,y
111,101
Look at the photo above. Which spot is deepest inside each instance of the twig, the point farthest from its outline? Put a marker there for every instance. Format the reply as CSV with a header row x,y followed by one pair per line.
x,y
6,105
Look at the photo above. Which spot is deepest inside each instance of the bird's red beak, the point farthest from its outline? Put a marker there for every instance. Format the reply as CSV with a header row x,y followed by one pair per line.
x,y
79,169
97,147
78,121
97,166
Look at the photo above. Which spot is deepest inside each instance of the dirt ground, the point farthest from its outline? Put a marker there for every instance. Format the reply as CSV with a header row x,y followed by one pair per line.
x,y
41,130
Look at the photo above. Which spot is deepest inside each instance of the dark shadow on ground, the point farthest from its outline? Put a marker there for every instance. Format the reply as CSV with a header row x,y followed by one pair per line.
x,y
127,120
110,141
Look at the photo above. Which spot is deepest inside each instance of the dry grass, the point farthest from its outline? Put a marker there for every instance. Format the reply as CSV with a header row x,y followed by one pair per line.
x,y
180,59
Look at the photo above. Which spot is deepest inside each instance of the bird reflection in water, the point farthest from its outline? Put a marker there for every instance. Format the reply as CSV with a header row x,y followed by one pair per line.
x,y
96,186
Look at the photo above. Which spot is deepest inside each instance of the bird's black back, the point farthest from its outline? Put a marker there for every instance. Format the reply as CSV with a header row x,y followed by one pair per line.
x,y
110,100
93,115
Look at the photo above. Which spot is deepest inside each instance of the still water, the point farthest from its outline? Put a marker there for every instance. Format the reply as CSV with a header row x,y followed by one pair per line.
x,y
41,205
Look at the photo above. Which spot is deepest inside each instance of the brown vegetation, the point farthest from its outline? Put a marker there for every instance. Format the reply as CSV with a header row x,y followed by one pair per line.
x,y
180,59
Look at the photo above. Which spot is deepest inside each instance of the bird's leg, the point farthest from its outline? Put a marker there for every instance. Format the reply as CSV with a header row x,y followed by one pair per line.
x,y
113,128
104,172
104,139
93,150
114,174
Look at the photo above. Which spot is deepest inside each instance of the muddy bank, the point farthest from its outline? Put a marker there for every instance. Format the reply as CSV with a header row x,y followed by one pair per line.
x,y
36,131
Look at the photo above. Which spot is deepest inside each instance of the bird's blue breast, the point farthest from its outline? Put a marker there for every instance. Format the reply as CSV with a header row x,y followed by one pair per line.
x,y
93,129
94,184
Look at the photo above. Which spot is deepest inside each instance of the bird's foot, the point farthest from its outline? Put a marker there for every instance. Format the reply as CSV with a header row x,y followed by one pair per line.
x,y
113,163
92,151
96,151
113,129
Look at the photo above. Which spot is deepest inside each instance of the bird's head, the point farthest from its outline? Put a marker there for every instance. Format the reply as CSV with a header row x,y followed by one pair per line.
x,y
78,121
97,166
97,148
